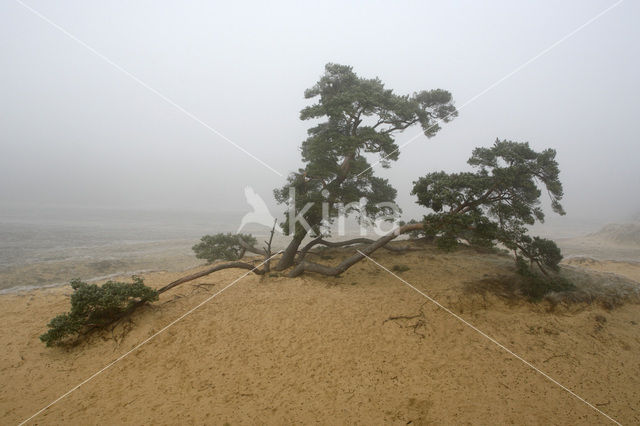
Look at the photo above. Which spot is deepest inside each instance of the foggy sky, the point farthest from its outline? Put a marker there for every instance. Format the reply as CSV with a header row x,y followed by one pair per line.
x,y
76,131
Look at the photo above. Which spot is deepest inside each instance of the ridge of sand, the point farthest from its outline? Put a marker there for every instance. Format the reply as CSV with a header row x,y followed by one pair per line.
x,y
314,349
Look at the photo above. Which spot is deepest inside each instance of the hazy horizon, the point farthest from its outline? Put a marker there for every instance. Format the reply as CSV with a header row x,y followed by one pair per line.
x,y
78,132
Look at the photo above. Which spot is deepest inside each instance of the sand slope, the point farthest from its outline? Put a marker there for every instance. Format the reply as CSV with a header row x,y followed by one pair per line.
x,y
307,350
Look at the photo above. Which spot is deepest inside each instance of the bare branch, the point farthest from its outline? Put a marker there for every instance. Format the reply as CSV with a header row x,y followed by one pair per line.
x,y
267,252
240,265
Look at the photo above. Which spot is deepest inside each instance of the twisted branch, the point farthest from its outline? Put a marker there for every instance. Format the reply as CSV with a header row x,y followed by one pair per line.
x,y
306,266
333,244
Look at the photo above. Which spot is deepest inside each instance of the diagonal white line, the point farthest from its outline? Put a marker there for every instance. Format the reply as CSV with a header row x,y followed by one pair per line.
x,y
491,339
501,80
121,357
145,85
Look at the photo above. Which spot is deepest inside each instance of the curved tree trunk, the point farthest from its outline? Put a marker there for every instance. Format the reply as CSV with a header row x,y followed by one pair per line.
x,y
320,241
289,255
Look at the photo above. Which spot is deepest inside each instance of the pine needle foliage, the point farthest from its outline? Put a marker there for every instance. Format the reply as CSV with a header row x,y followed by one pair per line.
x,y
222,246
495,204
94,306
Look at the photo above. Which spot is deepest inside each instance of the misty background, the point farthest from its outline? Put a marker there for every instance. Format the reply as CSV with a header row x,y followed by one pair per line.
x,y
84,145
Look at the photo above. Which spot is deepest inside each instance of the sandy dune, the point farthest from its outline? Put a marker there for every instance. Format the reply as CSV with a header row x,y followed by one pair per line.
x,y
626,269
619,242
306,350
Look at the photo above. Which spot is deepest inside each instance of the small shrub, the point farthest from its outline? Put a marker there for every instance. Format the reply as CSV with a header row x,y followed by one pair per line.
x,y
400,268
536,286
222,246
96,306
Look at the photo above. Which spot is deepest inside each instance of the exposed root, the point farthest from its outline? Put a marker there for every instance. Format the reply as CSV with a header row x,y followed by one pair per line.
x,y
118,336
202,286
556,356
175,297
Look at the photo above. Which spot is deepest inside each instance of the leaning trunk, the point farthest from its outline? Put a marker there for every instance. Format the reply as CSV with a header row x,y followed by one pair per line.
x,y
289,255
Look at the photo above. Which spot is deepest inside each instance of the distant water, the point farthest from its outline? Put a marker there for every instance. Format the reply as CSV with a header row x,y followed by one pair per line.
x,y
48,246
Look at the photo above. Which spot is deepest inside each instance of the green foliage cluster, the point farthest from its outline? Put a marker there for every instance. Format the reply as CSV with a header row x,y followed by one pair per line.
x,y
447,229
540,251
96,306
361,117
495,204
222,246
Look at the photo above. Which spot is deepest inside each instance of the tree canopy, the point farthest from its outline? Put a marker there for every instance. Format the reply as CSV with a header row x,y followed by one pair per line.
x,y
360,117
497,202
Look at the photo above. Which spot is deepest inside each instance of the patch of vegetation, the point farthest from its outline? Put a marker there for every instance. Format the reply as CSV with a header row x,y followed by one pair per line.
x,y
533,287
107,265
400,268
94,306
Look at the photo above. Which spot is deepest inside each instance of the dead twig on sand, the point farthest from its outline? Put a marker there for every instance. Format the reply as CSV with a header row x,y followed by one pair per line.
x,y
176,297
421,321
556,356
202,286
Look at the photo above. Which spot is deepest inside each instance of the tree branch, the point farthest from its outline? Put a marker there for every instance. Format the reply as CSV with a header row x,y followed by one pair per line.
x,y
267,251
334,244
247,247
306,266
240,265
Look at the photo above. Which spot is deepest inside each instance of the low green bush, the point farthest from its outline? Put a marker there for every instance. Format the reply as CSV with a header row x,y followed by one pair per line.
x,y
535,286
96,306
222,246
